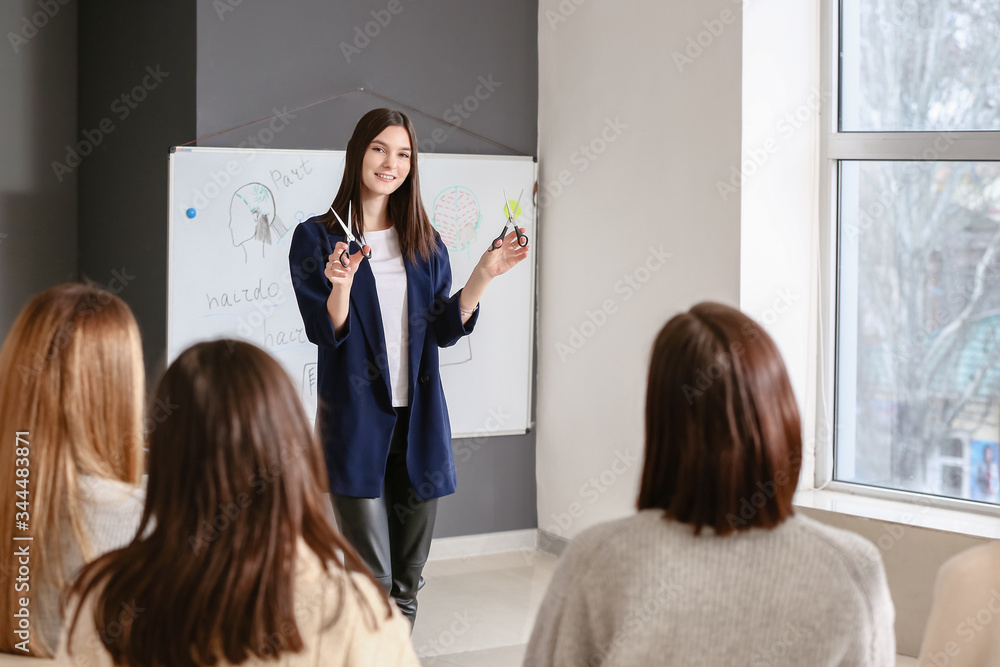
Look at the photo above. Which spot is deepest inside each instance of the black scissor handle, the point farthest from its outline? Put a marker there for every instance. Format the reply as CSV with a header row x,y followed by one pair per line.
x,y
522,238
498,241
344,254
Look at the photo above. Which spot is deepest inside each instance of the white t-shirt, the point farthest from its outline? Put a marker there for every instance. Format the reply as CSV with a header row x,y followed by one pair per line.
x,y
390,283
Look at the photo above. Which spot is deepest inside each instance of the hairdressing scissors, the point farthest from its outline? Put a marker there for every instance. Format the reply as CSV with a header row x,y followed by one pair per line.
x,y
522,239
350,237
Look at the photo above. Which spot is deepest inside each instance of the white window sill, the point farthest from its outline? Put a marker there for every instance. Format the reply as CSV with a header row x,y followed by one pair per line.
x,y
900,511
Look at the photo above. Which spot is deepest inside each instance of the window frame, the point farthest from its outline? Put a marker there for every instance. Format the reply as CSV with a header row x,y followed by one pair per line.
x,y
836,146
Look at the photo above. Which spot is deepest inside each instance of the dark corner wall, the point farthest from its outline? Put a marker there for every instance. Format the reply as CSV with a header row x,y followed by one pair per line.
x,y
155,75
257,57
38,226
136,100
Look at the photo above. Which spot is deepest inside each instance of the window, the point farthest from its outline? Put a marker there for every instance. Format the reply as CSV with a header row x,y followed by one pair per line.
x,y
912,159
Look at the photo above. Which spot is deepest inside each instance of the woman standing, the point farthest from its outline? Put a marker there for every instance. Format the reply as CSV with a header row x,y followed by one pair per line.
x,y
379,324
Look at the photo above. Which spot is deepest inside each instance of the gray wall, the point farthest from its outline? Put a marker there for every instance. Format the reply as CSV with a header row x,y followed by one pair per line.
x,y
266,56
38,241
145,51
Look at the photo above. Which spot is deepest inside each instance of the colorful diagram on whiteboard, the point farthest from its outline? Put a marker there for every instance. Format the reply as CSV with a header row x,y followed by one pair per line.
x,y
457,217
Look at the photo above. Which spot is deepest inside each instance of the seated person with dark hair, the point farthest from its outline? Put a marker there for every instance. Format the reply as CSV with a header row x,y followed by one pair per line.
x,y
716,569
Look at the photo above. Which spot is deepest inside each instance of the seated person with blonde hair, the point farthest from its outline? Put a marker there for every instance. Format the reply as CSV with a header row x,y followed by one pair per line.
x,y
72,390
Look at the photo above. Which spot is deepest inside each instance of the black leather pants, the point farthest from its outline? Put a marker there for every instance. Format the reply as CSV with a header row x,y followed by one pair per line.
x,y
392,534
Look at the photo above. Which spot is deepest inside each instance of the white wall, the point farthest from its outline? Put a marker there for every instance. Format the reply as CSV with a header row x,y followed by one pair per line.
x,y
778,179
666,129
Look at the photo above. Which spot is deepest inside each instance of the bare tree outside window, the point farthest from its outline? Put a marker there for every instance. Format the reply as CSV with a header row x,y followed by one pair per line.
x,y
920,65
918,374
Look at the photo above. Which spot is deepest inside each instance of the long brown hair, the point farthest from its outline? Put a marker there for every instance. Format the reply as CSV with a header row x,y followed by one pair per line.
x,y
72,378
723,436
235,481
417,237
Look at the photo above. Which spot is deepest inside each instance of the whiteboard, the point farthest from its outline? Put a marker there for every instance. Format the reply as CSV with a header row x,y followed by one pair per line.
x,y
224,282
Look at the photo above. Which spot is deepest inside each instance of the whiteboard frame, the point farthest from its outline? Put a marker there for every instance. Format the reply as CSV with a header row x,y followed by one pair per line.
x,y
533,295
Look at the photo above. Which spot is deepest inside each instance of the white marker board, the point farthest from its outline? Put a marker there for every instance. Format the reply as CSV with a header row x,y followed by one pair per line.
x,y
224,282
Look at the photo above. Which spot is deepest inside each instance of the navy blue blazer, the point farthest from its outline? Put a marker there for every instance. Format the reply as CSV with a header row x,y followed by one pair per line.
x,y
356,417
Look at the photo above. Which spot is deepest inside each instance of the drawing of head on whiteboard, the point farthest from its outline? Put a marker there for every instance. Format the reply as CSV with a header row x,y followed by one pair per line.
x,y
253,219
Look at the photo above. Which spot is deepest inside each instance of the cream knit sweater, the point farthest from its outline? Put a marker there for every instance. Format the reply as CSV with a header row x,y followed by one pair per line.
x,y
646,591
341,625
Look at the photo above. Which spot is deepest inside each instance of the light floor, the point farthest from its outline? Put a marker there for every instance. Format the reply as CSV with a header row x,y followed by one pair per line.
x,y
479,611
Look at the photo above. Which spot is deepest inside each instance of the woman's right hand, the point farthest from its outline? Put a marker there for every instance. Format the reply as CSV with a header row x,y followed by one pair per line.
x,y
340,276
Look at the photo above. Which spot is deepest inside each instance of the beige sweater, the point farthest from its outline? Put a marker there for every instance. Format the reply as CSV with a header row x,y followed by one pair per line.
x,y
964,627
336,631
646,591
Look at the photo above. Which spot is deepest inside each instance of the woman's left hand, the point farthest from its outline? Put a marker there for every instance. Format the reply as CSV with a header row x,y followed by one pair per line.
x,y
498,261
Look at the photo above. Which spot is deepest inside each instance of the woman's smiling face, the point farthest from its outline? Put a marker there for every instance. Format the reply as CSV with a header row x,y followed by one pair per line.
x,y
387,161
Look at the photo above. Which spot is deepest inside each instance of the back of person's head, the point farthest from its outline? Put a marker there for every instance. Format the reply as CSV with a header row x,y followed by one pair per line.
x,y
236,479
723,436
72,389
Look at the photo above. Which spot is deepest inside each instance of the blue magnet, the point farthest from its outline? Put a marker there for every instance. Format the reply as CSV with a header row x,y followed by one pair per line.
x,y
191,212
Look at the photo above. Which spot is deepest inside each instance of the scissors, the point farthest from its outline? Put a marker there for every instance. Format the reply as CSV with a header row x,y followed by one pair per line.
x,y
350,237
522,239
